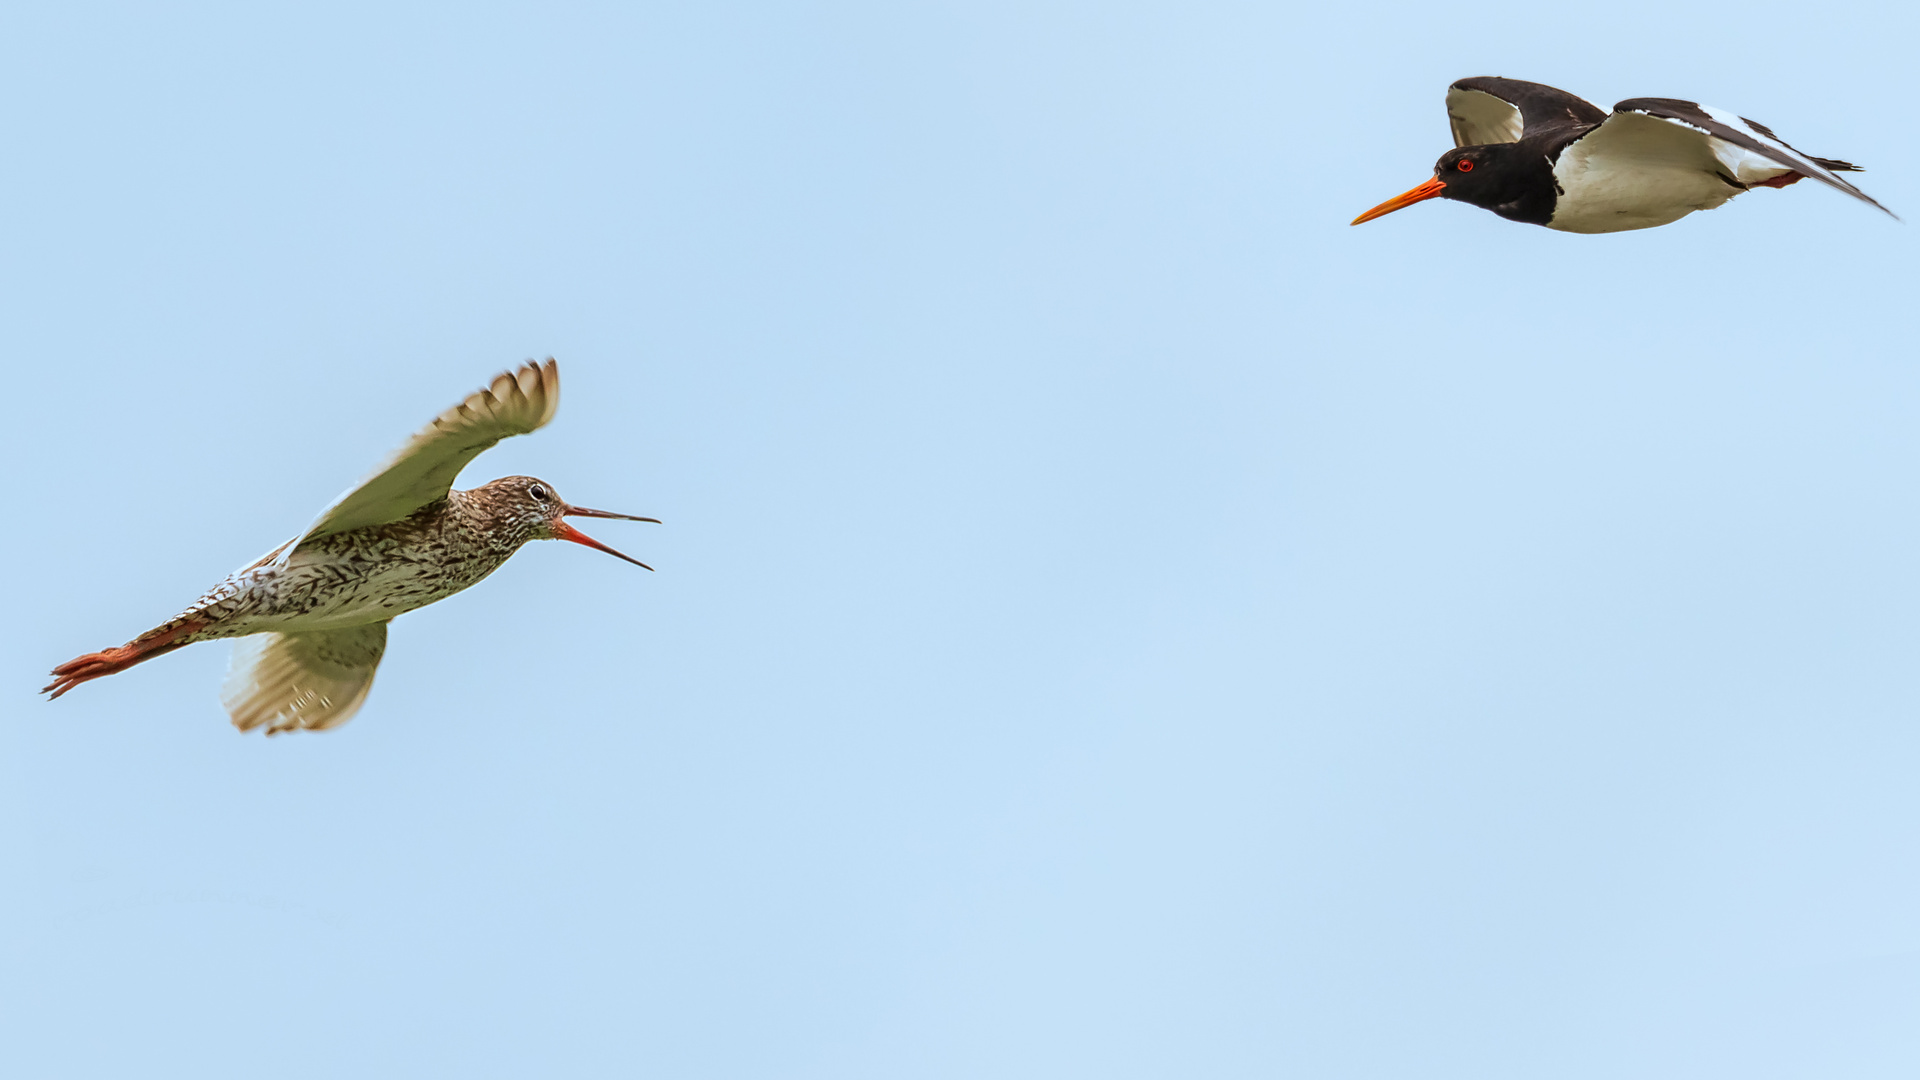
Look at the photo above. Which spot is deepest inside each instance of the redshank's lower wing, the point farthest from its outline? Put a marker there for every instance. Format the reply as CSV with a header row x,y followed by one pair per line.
x,y
314,680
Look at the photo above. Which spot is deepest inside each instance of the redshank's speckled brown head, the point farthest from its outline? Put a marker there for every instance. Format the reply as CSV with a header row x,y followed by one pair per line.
x,y
527,508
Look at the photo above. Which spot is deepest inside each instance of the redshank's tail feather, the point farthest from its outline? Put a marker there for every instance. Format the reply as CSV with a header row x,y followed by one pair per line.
x,y
314,680
156,642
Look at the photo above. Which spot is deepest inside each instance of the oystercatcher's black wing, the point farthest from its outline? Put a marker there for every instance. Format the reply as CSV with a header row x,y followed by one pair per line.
x,y
1488,109
1747,135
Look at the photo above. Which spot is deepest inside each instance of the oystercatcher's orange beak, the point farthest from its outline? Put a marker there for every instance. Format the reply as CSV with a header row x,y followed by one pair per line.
x,y
563,531
1429,190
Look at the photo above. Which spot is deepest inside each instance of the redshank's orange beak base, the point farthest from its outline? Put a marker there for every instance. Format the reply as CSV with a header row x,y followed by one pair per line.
x,y
1429,190
563,531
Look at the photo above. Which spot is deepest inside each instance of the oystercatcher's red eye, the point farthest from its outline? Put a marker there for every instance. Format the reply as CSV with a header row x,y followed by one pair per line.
x,y
1465,166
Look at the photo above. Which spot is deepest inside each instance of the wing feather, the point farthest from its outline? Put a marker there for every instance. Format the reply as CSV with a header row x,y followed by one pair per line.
x,y
312,681
1743,135
1488,109
515,403
1481,119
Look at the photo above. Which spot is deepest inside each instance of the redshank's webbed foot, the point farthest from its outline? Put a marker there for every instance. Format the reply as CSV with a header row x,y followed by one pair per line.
x,y
112,661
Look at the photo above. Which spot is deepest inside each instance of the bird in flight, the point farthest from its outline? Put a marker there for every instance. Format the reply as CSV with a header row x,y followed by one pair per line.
x,y
312,613
1538,155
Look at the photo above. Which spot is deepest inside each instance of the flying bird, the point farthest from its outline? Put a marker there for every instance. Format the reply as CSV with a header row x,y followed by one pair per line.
x,y
1535,154
312,613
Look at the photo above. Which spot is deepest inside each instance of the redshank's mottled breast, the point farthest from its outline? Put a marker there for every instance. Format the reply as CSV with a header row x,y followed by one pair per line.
x,y
314,611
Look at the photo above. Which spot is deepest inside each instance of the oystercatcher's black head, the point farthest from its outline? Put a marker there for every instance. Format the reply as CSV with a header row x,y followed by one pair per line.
x,y
1509,179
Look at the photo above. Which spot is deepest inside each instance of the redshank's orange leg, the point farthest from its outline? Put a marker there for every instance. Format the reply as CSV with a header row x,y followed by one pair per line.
x,y
111,661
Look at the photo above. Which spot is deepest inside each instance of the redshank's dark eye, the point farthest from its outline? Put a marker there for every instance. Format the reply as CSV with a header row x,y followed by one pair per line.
x,y
1465,166
538,492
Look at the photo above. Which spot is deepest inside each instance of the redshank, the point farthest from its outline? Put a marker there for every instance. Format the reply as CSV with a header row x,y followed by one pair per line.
x,y
314,611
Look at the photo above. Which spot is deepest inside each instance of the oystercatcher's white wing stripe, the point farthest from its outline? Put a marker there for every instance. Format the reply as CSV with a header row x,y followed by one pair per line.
x,y
1479,118
1744,165
1741,134
517,402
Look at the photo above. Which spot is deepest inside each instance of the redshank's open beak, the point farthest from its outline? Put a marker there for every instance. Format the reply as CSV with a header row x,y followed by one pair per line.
x,y
563,531
1429,190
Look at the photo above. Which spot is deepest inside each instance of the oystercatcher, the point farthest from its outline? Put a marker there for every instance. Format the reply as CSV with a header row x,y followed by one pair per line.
x,y
1536,154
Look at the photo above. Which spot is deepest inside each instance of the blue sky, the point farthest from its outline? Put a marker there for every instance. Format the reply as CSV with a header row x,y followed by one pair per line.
x,y
1113,619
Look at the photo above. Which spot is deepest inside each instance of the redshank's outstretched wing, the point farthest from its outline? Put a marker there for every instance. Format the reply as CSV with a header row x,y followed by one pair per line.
x,y
313,680
517,402
1488,110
